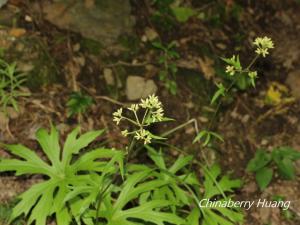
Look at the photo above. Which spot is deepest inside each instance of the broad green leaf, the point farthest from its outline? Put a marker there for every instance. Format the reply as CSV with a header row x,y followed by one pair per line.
x,y
182,14
286,152
284,157
263,177
286,168
260,160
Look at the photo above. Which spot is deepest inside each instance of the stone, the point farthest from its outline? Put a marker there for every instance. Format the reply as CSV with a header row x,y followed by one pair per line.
x,y
138,87
102,21
2,3
108,76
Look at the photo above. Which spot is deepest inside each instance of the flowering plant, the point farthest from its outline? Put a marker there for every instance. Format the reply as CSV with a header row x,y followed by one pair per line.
x,y
241,76
152,113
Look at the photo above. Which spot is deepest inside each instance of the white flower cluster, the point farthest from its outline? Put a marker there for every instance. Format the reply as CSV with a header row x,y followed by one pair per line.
x,y
153,112
230,70
263,45
155,108
143,134
118,116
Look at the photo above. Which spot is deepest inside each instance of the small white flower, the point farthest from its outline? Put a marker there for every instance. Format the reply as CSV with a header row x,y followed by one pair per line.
x,y
134,107
145,103
118,113
155,103
143,134
150,102
147,140
157,115
118,116
117,120
252,74
124,133
230,70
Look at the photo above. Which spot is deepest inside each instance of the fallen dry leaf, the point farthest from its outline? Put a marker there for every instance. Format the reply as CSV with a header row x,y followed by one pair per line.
x,y
207,68
17,32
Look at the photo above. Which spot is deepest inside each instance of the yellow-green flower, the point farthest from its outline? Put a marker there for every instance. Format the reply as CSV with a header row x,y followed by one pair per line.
x,y
230,70
263,45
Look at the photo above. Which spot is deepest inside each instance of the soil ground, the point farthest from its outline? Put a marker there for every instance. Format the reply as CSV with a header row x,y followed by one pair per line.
x,y
246,121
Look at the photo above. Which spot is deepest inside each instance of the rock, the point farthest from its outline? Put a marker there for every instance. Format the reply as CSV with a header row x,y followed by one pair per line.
x,y
103,21
137,87
2,3
108,76
293,81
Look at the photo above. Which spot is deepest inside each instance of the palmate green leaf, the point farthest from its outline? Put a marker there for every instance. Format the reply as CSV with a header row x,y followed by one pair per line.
x,y
47,198
73,144
216,185
221,216
29,198
31,163
116,213
175,176
194,217
91,185
50,145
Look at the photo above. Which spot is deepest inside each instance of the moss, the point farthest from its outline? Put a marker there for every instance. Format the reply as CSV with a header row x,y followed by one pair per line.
x,y
91,46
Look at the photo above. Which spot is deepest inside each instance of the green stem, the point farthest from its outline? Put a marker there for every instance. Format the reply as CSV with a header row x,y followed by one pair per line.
x,y
252,62
179,127
131,121
144,117
104,189
136,117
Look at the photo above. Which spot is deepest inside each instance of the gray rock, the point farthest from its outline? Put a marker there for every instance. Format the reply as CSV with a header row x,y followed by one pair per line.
x,y
137,87
103,21
108,76
2,3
